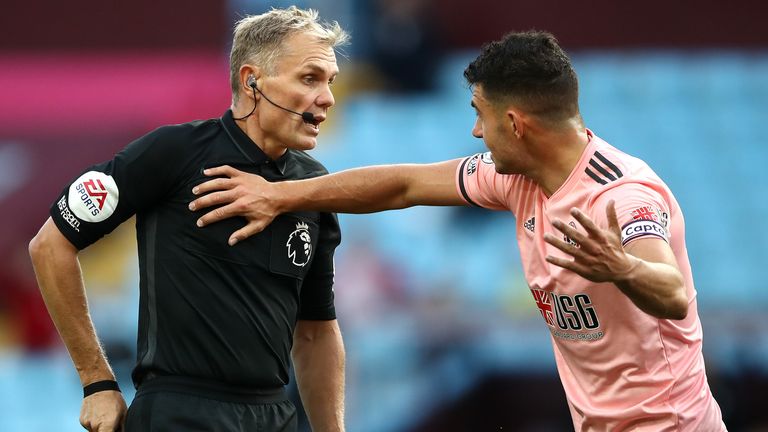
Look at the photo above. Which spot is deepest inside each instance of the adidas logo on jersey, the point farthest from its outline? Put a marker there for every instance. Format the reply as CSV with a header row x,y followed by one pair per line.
x,y
530,224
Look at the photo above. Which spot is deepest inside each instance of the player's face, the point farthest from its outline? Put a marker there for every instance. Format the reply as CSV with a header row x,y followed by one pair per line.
x,y
301,82
492,125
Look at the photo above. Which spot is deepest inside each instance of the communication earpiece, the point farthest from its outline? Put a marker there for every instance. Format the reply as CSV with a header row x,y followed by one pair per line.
x,y
306,116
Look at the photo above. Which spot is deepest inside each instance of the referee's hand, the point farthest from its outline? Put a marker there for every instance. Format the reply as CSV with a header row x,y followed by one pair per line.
x,y
103,412
239,194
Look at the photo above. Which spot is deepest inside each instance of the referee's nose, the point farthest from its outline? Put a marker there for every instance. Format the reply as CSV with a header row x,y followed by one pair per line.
x,y
325,99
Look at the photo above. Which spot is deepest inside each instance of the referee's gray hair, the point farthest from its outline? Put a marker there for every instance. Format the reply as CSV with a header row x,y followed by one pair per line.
x,y
258,39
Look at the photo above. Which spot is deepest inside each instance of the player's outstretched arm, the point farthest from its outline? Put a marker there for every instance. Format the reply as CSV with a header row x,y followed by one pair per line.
x,y
360,190
646,271
60,279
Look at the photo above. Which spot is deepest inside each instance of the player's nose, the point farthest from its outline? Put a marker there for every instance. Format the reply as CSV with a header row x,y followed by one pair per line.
x,y
477,130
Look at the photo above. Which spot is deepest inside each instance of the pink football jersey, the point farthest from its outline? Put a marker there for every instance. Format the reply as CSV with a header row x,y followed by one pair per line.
x,y
621,368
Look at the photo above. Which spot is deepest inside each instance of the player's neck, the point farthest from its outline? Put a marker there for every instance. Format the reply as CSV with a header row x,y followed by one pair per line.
x,y
558,156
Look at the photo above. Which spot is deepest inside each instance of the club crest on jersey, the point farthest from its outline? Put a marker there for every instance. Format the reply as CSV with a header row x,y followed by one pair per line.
x,y
299,245
568,239
472,165
93,197
486,158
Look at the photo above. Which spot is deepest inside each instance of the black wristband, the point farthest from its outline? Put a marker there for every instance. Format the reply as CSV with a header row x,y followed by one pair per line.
x,y
100,386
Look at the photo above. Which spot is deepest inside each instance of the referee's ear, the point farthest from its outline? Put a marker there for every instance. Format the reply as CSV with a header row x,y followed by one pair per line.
x,y
246,72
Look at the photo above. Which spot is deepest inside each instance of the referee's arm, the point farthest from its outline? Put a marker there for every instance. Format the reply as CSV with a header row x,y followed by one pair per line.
x,y
318,358
61,284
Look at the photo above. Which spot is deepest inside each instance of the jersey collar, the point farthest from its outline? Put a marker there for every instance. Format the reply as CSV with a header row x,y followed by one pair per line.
x,y
578,170
248,148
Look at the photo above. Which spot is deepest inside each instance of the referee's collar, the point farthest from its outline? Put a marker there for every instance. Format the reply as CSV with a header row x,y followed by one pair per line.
x,y
250,149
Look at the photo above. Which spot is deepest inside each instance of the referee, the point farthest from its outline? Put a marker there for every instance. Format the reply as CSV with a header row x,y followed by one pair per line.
x,y
218,322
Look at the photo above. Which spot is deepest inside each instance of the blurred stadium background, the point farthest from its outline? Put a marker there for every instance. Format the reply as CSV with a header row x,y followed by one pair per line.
x,y
440,330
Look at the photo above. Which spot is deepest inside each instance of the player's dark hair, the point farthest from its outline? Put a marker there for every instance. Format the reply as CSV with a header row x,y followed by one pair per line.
x,y
530,69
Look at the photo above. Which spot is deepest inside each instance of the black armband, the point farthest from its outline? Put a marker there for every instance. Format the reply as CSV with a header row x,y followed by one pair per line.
x,y
100,386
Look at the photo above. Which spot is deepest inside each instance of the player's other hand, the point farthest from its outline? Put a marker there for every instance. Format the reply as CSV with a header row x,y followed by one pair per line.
x,y
103,412
598,254
239,194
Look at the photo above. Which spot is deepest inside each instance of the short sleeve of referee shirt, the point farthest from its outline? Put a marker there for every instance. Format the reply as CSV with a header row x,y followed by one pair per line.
x,y
317,296
106,194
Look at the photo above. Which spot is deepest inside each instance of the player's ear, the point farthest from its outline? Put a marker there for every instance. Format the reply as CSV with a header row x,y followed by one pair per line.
x,y
516,120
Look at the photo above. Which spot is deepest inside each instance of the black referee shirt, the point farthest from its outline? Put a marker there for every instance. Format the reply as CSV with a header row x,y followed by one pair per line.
x,y
208,310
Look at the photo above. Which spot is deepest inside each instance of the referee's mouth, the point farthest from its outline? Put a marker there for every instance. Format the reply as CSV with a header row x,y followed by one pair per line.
x,y
317,120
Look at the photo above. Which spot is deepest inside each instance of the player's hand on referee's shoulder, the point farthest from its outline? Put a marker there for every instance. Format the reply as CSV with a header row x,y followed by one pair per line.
x,y
103,412
238,194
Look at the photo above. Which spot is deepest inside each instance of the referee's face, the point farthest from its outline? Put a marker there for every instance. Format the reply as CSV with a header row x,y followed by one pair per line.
x,y
302,83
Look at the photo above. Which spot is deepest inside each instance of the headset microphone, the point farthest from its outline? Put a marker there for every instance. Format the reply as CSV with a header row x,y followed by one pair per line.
x,y
306,116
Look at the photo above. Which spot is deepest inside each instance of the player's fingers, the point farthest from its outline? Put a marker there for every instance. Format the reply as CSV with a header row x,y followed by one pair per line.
x,y
218,214
245,232
224,170
213,185
570,232
566,264
563,246
613,220
213,198
585,221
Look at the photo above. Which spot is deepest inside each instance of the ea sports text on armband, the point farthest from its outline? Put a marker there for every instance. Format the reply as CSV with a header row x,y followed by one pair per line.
x,y
86,199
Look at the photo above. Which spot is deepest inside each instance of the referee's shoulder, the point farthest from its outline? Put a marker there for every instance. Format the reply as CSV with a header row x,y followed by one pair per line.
x,y
311,166
181,136
192,129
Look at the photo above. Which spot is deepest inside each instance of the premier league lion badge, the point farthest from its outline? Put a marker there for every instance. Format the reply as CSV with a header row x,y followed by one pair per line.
x,y
299,245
